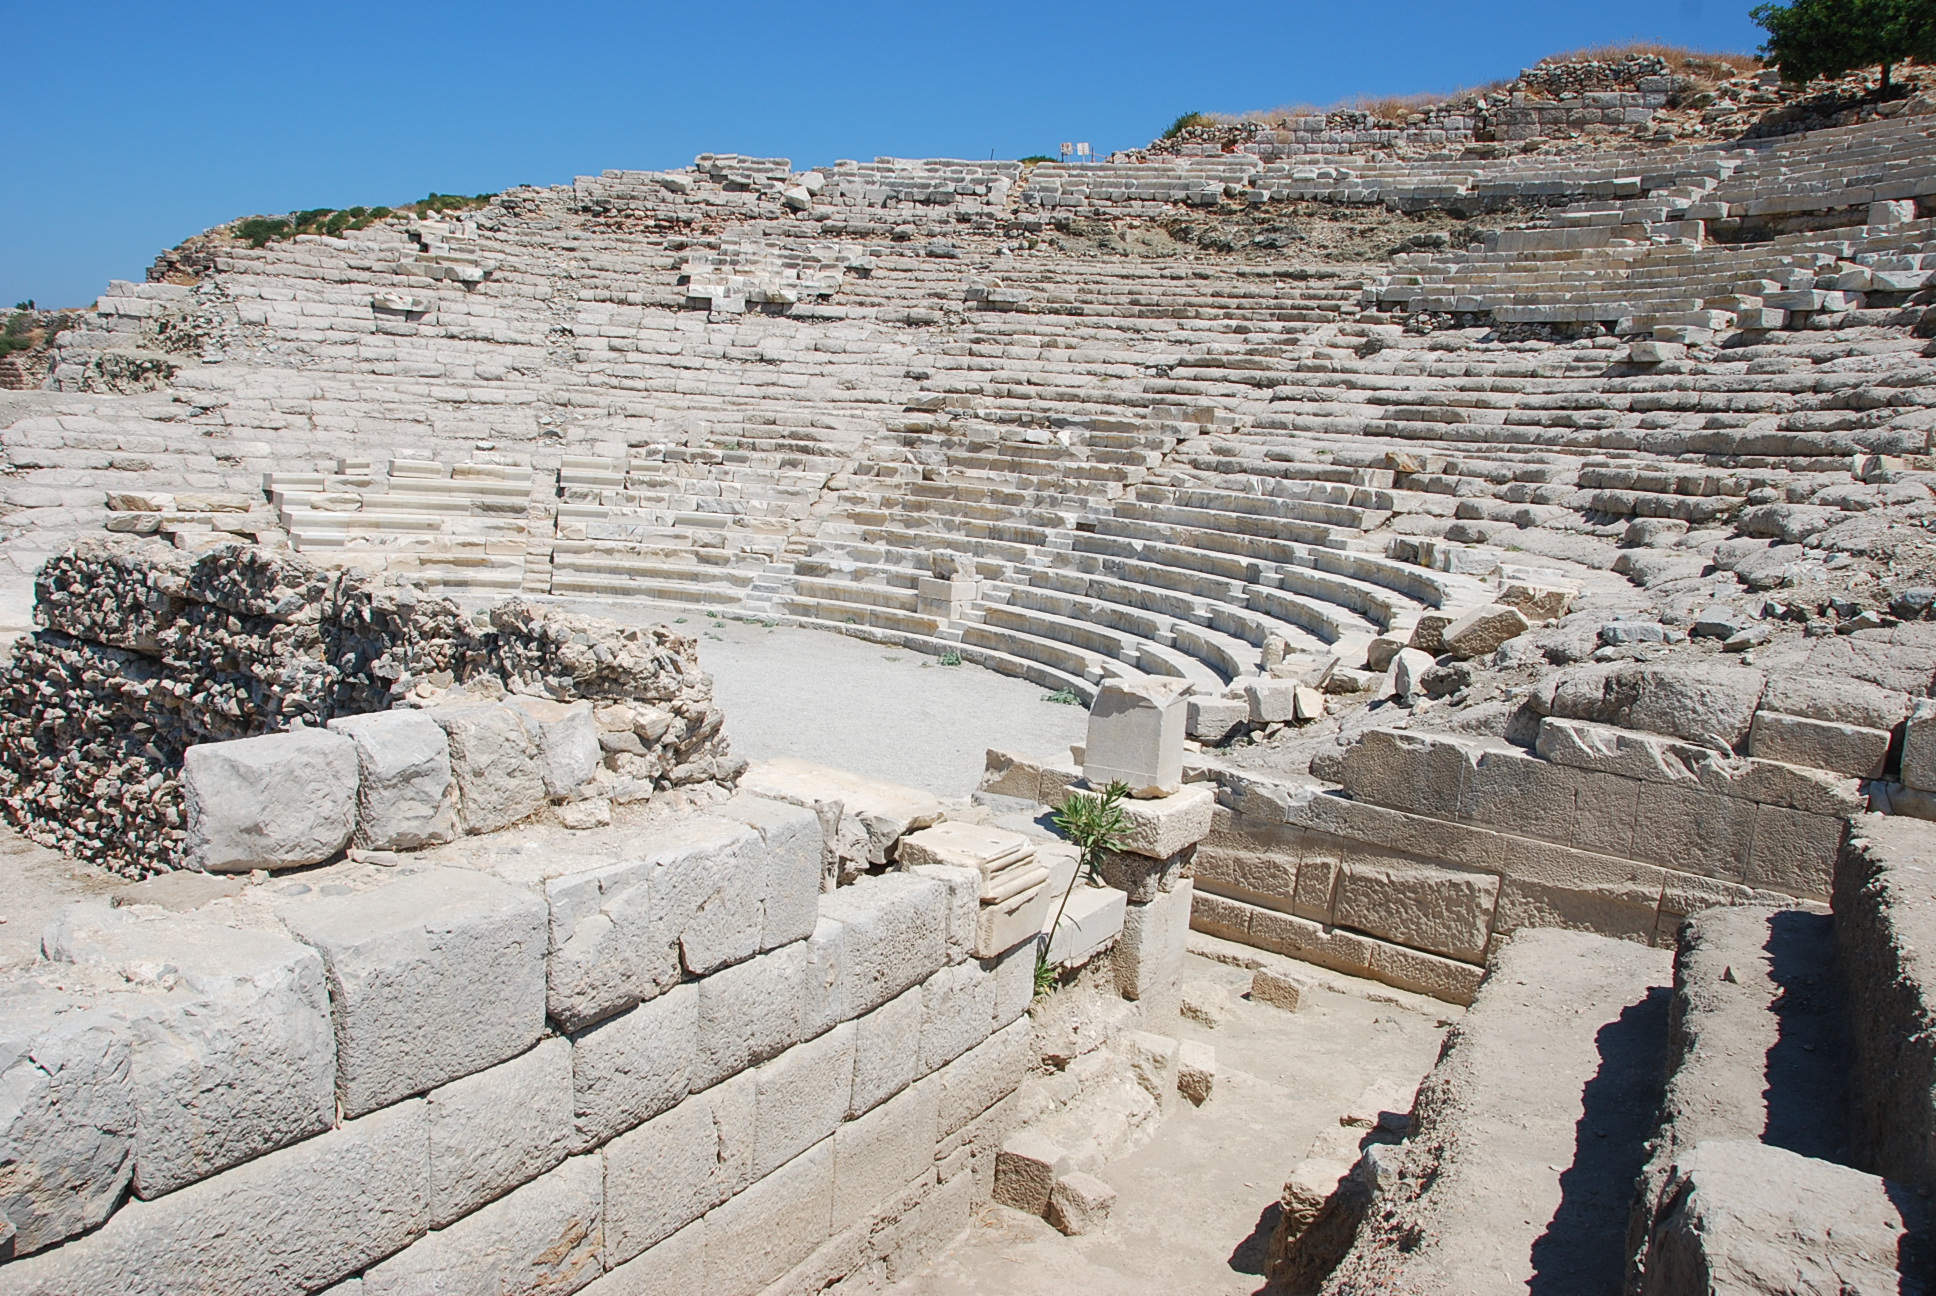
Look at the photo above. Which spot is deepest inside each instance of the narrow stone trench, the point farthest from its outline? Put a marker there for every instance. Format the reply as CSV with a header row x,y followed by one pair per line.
x,y
1196,1204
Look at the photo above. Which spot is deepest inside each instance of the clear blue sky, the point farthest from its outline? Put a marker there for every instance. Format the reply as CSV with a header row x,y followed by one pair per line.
x,y
134,125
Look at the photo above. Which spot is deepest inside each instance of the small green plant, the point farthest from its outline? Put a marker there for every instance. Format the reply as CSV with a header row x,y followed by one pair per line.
x,y
1067,697
1035,158
951,658
1185,122
1096,824
678,620
1045,978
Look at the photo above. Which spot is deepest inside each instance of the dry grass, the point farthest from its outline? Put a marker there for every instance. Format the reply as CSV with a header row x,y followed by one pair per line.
x,y
1680,60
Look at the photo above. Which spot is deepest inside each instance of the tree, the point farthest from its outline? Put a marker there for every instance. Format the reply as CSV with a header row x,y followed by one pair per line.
x,y
1828,38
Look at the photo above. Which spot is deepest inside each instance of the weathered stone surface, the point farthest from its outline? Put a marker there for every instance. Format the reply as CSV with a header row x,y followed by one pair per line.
x,y
1079,1203
750,1012
1161,827
671,1170
1150,954
284,1224
629,1068
883,1151
1824,744
1919,747
675,1266
802,1095
1005,925
1416,903
273,802
1699,702
790,891
498,1128
1651,759
1026,1171
883,1063
568,749
431,977
67,1132
1276,989
1750,1217
544,1237
766,1230
1407,673
233,1051
887,810
1482,630
875,939
496,761
405,797
1196,1071
1136,732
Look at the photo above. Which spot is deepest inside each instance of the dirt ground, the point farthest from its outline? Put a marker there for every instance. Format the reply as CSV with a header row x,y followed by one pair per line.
x,y
1196,1205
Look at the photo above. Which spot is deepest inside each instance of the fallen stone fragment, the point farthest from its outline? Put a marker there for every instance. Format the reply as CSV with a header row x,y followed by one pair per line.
x,y
1275,989
1080,1204
1482,630
1196,1071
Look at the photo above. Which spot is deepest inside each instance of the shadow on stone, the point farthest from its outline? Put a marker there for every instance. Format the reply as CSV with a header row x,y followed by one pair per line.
x,y
1582,1250
1250,1254
1807,1074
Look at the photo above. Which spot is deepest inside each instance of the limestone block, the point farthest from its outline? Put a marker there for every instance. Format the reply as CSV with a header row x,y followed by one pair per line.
x,y
947,600
676,1266
892,935
582,816
957,1011
1407,673
1212,720
544,1237
1276,989
1079,1203
983,1076
1347,951
1836,698
1655,760
671,1170
1307,704
772,1226
495,759
67,1129
1271,701
886,809
1149,956
1013,978
498,1128
964,905
568,750
1482,630
1196,1071
1919,747
965,845
1152,1062
624,930
1006,925
1445,911
750,1012
1026,1171
883,1151
294,1221
1751,1217
1695,701
405,795
803,1094
1136,732
1539,604
883,1063
629,1068
791,891
431,977
1142,878
1006,774
1161,827
274,802
234,1055
1824,744
1089,921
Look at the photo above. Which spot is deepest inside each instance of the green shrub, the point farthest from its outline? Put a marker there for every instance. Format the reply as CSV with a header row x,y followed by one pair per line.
x,y
1034,158
1185,122
1096,824
1067,697
1829,38
260,231
951,658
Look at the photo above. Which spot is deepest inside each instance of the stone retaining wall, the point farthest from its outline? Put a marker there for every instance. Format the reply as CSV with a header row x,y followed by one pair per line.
x,y
514,1064
148,650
